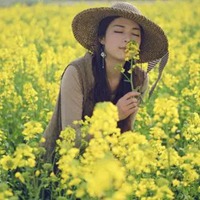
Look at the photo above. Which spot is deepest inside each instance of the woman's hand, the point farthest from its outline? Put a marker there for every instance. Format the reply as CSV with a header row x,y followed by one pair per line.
x,y
128,104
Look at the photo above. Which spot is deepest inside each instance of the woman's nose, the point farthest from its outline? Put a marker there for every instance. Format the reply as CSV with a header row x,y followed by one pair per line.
x,y
127,38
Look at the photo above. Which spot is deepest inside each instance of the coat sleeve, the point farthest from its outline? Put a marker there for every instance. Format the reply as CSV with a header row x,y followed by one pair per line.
x,y
71,101
71,97
68,108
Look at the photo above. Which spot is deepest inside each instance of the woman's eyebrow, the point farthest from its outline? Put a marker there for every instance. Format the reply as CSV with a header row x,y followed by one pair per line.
x,y
121,26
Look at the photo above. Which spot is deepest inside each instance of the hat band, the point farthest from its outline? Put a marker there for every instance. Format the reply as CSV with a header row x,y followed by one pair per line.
x,y
162,62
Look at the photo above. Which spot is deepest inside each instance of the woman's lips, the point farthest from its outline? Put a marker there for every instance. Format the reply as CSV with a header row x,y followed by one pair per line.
x,y
122,48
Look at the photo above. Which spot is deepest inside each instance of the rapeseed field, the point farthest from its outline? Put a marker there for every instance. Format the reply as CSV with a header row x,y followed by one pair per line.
x,y
160,159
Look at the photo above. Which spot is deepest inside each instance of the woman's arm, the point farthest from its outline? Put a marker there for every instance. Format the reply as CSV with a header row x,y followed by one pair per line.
x,y
71,100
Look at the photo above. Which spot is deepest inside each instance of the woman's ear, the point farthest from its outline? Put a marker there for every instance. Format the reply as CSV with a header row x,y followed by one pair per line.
x,y
102,41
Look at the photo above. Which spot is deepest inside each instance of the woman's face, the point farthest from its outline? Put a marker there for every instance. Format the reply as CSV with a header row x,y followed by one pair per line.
x,y
119,32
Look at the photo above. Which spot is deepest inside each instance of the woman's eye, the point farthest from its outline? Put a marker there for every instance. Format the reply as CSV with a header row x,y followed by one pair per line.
x,y
134,34
118,32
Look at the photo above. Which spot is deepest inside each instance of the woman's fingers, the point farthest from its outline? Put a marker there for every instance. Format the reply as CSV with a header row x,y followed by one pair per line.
x,y
131,95
132,100
127,104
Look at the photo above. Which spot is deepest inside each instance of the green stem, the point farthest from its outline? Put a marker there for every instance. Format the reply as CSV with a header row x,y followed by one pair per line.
x,y
126,77
131,81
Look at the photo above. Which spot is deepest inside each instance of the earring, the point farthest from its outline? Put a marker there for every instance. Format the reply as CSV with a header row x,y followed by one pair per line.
x,y
103,55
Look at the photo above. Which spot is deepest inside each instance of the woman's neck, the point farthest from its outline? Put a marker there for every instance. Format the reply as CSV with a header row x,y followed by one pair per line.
x,y
111,69
113,75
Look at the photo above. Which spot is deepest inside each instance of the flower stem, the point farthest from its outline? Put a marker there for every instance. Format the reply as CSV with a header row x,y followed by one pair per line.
x,y
131,81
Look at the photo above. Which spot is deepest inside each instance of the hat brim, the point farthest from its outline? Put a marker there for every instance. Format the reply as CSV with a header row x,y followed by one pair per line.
x,y
85,25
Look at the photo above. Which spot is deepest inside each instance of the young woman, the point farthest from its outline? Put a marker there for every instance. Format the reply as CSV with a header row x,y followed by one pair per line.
x,y
93,78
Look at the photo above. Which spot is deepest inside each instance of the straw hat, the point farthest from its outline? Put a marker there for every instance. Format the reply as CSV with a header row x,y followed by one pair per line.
x,y
85,27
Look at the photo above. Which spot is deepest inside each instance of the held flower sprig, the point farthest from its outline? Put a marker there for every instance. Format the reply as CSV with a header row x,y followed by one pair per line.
x,y
131,55
132,52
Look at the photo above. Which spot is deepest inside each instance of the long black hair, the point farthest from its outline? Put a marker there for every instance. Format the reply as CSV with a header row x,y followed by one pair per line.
x,y
101,88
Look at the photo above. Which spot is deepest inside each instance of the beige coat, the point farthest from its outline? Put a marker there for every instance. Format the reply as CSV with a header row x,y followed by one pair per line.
x,y
76,85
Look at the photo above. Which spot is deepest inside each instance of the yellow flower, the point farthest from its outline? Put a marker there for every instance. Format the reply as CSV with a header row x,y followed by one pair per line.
x,y
5,192
192,130
80,192
132,56
176,182
66,141
98,184
2,136
164,192
20,177
8,162
52,174
190,174
68,165
170,81
30,95
104,120
157,133
74,182
42,140
166,111
132,51
120,68
69,134
69,192
31,129
37,173
24,156
163,161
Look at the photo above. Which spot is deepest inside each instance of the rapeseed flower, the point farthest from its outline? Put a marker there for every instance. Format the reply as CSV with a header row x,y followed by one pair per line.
x,y
113,177
166,111
131,55
132,51
30,96
104,120
164,192
170,81
2,139
24,156
157,133
31,130
5,192
67,164
176,182
20,177
189,175
66,141
7,162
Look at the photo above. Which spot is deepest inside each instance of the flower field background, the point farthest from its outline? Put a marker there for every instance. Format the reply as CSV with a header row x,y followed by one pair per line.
x,y
159,160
